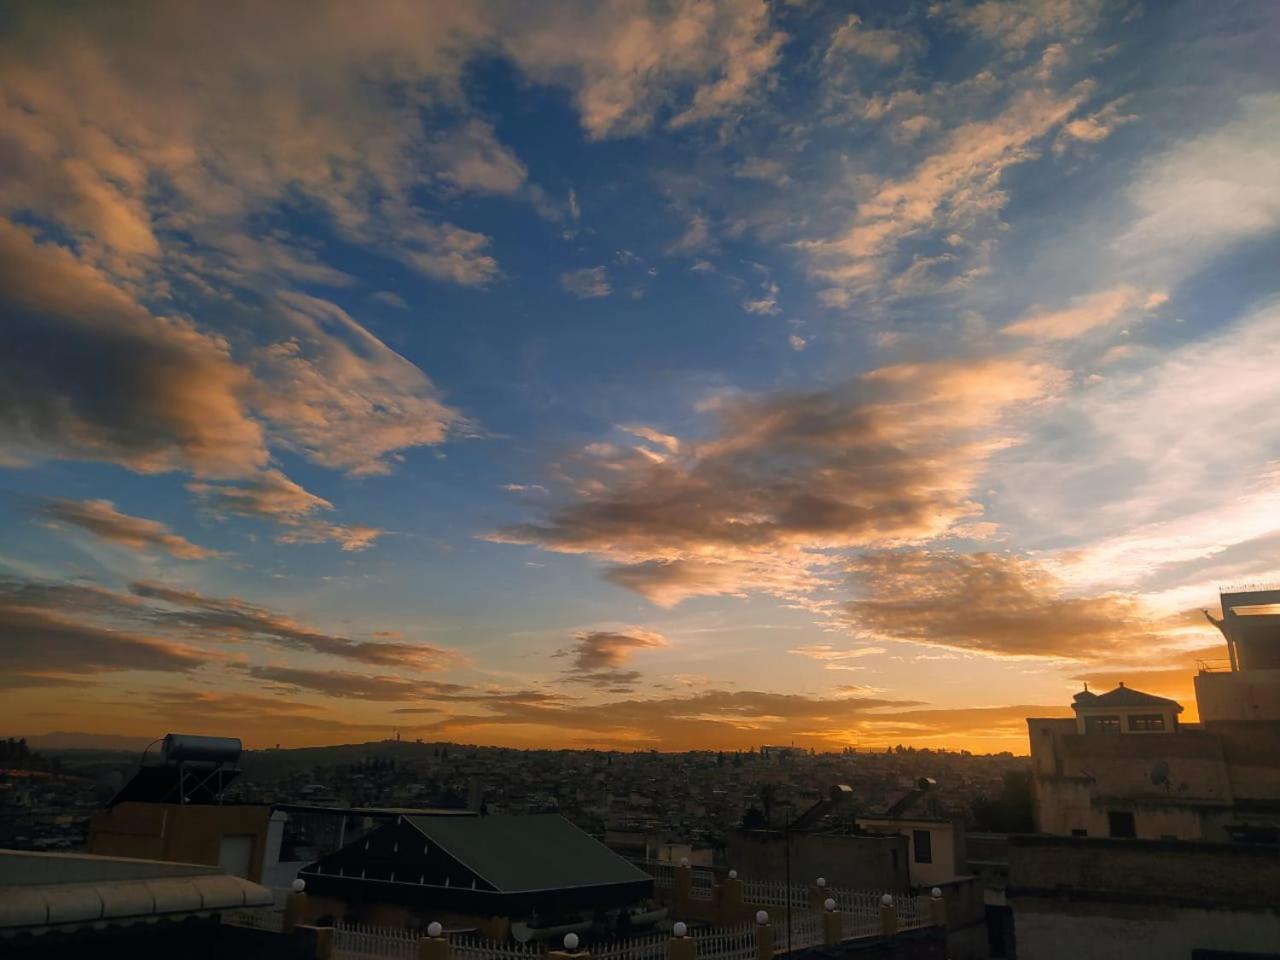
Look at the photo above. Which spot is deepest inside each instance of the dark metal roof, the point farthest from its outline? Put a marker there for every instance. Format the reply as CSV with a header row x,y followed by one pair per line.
x,y
521,854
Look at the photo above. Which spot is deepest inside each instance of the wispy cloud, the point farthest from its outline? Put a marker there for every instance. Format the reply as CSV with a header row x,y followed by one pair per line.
x,y
587,283
102,519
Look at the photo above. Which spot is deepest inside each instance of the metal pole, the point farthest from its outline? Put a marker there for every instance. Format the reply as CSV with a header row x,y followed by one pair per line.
x,y
786,843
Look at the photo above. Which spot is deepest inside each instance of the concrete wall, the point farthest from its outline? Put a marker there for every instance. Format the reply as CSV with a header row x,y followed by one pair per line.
x,y
1247,695
942,845
190,833
1062,933
1136,899
872,863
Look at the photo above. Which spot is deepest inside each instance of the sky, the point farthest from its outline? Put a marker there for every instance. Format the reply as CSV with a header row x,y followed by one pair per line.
x,y
630,375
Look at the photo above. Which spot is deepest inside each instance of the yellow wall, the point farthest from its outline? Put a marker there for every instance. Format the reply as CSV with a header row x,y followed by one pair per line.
x,y
179,833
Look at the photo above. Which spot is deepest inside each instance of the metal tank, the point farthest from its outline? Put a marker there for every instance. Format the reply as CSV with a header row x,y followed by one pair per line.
x,y
188,748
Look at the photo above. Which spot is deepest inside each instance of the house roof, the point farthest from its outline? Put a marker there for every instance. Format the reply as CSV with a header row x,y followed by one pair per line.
x,y
1123,696
523,854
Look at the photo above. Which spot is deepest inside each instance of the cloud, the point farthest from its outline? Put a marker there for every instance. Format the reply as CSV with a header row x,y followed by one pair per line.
x,y
344,685
888,458
1207,193
223,618
955,189
697,236
851,38
587,283
835,658
44,641
627,63
101,518
471,158
597,656
1095,127
273,496
391,299
87,373
1086,313
339,395
1017,24
990,603
766,304
1156,505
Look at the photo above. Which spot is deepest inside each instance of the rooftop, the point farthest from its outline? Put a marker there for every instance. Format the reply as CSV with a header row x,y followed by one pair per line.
x,y
524,854
1122,696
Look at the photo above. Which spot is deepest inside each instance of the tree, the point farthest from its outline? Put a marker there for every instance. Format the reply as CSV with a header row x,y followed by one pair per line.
x,y
768,795
1013,811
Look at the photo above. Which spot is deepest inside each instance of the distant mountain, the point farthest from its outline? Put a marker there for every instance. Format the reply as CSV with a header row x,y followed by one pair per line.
x,y
64,740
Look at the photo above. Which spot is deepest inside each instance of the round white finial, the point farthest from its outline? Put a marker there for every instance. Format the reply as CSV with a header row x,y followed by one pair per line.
x,y
762,916
822,881
679,928
298,885
571,941
829,904
886,900
684,861
434,929
936,893
733,874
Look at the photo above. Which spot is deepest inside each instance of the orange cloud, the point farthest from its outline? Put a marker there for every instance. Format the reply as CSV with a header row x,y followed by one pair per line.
x,y
273,496
102,519
992,603
890,458
598,654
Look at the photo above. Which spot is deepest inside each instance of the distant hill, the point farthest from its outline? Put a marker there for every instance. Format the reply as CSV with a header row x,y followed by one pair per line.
x,y
64,740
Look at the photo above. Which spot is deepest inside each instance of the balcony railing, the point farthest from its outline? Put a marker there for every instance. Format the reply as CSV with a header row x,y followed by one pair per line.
x,y
1214,666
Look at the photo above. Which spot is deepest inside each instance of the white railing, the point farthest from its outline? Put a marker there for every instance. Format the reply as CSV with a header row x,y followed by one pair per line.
x,y
805,932
650,946
727,943
913,911
472,946
774,893
359,941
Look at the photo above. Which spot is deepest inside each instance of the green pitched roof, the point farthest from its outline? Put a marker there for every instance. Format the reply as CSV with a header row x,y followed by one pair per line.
x,y
520,854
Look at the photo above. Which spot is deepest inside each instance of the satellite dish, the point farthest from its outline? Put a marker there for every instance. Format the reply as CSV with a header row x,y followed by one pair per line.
x,y
1160,774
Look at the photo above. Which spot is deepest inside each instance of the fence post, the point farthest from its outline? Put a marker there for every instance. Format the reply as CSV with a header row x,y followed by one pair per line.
x,y
682,888
764,936
313,943
295,906
937,908
729,899
681,946
888,916
832,924
570,951
818,894
434,946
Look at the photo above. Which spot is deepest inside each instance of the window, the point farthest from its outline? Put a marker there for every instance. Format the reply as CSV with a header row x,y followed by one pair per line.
x,y
1146,722
922,840
1120,823
1077,832
1102,725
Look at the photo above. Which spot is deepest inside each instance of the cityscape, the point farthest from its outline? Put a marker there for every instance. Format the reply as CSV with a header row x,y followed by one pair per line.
x,y
640,480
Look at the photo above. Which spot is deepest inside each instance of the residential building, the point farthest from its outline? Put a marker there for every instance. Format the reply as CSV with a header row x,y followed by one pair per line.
x,y
525,874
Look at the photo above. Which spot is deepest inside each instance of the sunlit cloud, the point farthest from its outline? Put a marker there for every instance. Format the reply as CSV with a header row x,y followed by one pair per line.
x,y
103,520
996,604
889,458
